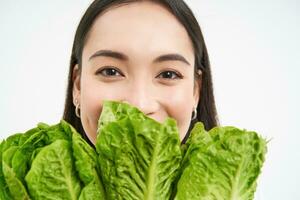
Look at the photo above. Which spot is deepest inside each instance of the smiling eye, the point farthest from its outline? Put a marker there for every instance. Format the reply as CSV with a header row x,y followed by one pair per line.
x,y
109,71
170,75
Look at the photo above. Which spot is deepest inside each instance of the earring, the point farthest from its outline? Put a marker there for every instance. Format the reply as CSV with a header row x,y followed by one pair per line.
x,y
77,108
194,114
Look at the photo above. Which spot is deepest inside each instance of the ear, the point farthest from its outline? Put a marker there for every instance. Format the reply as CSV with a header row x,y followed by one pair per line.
x,y
197,88
76,82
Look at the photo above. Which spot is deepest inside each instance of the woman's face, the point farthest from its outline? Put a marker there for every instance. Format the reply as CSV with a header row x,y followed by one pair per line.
x,y
141,54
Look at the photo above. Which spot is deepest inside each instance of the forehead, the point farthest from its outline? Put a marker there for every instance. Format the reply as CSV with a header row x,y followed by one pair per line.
x,y
139,28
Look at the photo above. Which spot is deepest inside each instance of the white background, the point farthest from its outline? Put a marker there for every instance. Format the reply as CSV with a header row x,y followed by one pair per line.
x,y
255,57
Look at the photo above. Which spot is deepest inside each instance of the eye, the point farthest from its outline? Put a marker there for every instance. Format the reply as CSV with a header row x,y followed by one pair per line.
x,y
109,71
170,75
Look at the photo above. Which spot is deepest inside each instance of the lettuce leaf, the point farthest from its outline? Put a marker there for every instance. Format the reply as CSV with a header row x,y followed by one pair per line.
x,y
34,155
52,174
223,163
21,159
139,157
4,192
87,167
15,186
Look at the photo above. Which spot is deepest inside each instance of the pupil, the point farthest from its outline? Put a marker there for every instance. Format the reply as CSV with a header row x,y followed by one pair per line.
x,y
168,75
111,72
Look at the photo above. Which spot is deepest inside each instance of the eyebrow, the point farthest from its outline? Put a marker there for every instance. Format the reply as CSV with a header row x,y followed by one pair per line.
x,y
123,57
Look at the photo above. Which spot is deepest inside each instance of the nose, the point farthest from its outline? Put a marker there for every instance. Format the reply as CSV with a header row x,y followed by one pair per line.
x,y
142,96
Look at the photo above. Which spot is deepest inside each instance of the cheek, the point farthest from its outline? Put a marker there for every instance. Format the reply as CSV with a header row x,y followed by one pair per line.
x,y
93,93
180,107
90,108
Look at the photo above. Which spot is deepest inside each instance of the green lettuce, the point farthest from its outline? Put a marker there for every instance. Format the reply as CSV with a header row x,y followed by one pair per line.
x,y
52,174
135,157
49,162
13,185
87,166
223,163
4,191
139,157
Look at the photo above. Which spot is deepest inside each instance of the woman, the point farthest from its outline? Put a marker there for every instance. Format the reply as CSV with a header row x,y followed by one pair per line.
x,y
149,53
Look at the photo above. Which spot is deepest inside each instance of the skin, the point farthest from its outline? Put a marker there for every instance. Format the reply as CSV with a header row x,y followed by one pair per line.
x,y
142,31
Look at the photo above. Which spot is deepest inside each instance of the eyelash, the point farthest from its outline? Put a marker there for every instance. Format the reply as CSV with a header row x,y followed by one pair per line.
x,y
173,73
